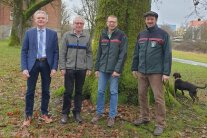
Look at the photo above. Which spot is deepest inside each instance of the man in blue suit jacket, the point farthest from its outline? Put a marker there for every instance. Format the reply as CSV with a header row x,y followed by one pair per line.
x,y
39,55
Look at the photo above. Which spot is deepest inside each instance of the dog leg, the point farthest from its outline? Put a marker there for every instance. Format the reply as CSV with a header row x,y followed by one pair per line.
x,y
175,90
192,96
182,92
197,99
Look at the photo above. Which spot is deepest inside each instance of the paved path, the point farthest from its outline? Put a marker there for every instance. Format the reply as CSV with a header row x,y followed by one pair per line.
x,y
190,62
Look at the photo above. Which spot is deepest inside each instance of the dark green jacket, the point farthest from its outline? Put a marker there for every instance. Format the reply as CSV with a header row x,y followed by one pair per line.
x,y
153,52
111,53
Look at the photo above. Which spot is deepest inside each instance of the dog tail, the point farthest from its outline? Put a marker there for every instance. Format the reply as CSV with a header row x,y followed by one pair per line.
x,y
202,87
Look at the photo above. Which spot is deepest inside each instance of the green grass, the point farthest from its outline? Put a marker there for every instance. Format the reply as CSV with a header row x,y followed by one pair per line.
x,y
190,56
187,121
191,73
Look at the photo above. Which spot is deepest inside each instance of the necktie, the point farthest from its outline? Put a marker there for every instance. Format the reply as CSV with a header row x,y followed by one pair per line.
x,y
40,48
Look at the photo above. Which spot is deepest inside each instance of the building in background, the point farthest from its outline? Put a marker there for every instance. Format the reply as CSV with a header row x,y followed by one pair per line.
x,y
6,16
197,29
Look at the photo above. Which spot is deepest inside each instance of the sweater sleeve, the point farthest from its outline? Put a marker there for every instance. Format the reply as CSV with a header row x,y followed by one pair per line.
x,y
63,53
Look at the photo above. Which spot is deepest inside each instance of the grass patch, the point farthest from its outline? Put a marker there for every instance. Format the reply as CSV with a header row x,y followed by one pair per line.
x,y
181,122
199,57
191,73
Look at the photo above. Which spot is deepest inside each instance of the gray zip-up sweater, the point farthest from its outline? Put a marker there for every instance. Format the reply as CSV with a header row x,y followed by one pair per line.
x,y
75,52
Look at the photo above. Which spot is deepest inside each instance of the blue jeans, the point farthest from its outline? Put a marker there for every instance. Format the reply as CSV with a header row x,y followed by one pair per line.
x,y
43,68
102,83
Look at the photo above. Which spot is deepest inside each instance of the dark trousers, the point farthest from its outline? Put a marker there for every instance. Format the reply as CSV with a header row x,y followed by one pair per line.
x,y
43,68
77,78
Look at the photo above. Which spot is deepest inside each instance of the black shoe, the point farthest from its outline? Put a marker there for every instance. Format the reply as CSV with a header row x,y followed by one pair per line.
x,y
77,117
139,122
64,119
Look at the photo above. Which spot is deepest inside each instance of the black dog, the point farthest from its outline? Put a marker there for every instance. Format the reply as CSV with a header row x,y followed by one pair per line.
x,y
184,85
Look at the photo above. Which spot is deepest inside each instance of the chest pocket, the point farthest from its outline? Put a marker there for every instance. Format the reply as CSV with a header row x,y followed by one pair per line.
x,y
155,45
142,45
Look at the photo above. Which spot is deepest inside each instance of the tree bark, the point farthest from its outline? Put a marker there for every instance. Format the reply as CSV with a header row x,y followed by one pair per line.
x,y
21,17
131,21
17,22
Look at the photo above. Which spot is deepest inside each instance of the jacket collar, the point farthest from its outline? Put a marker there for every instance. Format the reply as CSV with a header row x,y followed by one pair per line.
x,y
152,29
74,34
105,31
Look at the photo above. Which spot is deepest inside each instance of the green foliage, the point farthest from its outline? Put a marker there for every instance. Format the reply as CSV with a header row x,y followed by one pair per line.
x,y
90,88
190,55
59,92
14,40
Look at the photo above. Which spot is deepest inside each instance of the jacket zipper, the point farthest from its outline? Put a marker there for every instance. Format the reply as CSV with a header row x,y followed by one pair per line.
x,y
108,53
146,53
76,53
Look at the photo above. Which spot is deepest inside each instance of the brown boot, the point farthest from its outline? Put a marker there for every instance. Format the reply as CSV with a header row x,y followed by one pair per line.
x,y
46,118
27,121
111,122
96,118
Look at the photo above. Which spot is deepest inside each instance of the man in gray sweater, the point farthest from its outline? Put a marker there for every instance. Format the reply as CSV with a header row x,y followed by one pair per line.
x,y
75,64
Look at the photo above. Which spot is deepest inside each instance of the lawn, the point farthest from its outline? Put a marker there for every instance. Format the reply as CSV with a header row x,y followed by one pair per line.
x,y
188,121
199,57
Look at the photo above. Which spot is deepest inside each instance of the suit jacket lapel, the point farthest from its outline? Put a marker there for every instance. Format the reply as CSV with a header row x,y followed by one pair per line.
x,y
35,39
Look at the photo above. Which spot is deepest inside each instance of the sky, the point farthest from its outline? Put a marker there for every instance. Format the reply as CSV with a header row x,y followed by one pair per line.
x,y
174,12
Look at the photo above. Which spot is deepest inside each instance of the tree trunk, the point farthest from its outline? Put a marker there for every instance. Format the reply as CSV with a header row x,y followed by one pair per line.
x,y
17,22
131,21
20,19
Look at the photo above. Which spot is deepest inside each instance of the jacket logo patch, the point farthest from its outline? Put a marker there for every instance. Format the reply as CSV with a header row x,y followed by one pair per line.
x,y
153,43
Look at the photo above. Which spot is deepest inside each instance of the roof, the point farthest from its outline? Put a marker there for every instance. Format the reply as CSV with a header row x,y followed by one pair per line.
x,y
196,23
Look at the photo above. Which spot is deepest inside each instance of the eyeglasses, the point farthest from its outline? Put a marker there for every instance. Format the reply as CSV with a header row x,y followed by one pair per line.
x,y
112,22
81,23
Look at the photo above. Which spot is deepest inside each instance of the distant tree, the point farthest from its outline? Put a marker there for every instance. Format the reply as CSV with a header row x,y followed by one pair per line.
x,y
88,11
21,16
168,29
204,33
65,19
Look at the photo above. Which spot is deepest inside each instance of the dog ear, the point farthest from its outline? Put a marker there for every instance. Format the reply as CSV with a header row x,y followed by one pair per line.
x,y
179,75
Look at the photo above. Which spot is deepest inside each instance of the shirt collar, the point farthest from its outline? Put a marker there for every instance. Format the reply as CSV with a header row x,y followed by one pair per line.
x,y
77,34
41,29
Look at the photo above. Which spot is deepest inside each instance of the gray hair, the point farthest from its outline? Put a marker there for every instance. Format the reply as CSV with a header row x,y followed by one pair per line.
x,y
41,11
78,18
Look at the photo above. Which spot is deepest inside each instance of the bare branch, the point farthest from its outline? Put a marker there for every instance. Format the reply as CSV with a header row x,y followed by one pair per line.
x,y
88,11
65,18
